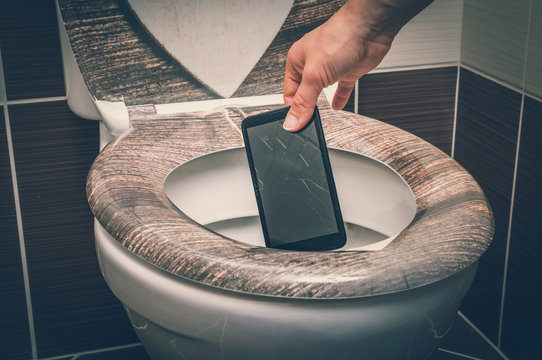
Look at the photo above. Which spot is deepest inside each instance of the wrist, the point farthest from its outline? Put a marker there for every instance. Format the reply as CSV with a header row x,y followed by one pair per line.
x,y
379,21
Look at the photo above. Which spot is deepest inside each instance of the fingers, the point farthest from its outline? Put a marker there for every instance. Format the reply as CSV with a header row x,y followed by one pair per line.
x,y
303,103
294,72
342,94
291,84
301,88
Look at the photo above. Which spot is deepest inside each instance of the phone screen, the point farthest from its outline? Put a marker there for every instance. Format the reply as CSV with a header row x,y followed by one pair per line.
x,y
294,186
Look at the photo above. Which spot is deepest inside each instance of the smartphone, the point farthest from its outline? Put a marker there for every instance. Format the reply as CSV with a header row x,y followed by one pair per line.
x,y
294,187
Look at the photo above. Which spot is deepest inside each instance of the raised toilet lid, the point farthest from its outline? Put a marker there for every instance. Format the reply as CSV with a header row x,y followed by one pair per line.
x,y
452,228
120,58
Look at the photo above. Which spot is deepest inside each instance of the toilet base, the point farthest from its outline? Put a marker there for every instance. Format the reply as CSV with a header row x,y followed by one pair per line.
x,y
161,343
179,319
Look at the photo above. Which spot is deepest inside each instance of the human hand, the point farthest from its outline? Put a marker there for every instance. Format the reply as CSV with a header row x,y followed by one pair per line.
x,y
343,49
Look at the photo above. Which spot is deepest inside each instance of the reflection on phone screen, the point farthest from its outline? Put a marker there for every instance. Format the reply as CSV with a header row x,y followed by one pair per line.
x,y
292,182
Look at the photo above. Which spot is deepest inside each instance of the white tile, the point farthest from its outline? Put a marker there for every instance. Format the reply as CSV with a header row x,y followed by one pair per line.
x,y
494,35
432,37
533,76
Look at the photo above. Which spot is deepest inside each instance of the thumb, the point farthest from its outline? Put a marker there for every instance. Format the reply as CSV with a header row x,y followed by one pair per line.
x,y
303,104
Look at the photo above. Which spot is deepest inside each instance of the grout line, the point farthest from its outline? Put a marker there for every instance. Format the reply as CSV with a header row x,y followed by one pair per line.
x,y
492,78
96,351
22,247
459,354
533,97
36,100
514,179
502,83
3,94
509,232
499,351
456,102
528,34
356,97
4,101
414,67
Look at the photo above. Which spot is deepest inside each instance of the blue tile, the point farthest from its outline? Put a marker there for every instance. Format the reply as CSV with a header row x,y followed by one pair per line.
x,y
486,135
418,101
522,331
30,49
74,310
14,334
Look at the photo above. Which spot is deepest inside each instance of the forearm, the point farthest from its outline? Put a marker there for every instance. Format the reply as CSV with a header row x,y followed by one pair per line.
x,y
347,46
380,20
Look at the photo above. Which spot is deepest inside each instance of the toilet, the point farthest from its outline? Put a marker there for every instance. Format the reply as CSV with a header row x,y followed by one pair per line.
x,y
176,228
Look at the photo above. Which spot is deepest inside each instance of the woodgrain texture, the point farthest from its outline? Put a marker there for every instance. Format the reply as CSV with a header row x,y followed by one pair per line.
x,y
119,60
452,228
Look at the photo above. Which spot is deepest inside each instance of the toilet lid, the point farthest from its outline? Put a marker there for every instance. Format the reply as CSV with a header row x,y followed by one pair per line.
x,y
217,42
127,56
452,228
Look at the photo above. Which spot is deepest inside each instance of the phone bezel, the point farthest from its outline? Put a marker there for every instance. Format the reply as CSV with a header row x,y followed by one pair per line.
x,y
324,242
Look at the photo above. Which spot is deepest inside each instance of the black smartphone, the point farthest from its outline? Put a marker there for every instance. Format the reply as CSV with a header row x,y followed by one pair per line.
x,y
293,183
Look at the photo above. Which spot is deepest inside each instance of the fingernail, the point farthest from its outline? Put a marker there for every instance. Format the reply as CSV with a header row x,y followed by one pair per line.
x,y
290,122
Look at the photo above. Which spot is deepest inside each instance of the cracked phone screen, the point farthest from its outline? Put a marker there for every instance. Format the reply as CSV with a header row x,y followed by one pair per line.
x,y
292,183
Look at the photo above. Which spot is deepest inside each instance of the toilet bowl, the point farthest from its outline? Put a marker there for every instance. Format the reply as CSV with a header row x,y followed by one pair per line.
x,y
192,292
175,228
216,191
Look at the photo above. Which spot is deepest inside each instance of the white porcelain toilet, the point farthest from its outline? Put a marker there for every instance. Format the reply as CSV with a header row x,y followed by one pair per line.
x,y
181,319
176,227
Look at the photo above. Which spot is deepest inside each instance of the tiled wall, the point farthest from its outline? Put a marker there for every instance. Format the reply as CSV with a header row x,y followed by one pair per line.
x,y
414,87
486,134
53,299
432,38
420,101
12,296
54,302
498,140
